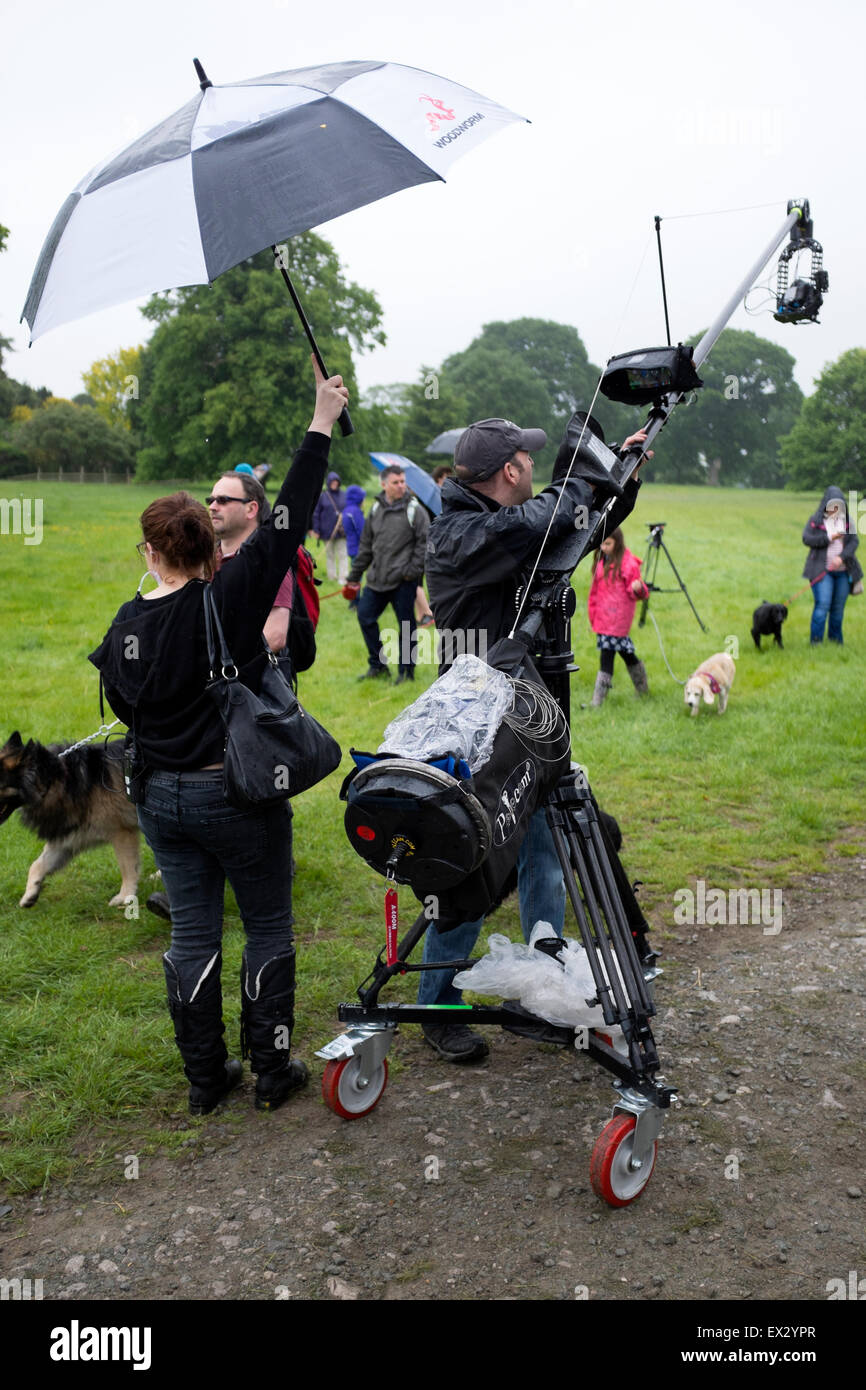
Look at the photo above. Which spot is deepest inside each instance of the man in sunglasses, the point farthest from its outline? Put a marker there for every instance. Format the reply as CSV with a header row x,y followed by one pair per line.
x,y
238,507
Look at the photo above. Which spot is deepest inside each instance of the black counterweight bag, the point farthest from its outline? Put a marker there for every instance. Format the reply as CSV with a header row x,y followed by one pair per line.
x,y
456,838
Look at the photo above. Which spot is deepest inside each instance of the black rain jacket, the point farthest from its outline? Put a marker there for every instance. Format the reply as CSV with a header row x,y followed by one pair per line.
x,y
479,553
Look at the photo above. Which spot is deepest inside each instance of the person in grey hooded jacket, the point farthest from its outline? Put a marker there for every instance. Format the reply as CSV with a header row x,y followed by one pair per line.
x,y
391,554
831,566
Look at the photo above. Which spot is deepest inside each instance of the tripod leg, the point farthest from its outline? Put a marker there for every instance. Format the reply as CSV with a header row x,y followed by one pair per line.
x,y
651,564
682,585
603,904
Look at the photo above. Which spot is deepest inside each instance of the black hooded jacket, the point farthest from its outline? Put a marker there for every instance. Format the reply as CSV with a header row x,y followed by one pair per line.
x,y
479,552
815,536
154,660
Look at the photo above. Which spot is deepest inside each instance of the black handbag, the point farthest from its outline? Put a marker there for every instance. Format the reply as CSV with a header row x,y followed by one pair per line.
x,y
274,749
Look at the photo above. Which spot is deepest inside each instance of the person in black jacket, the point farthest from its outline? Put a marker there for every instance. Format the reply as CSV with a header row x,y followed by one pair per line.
x,y
480,551
155,667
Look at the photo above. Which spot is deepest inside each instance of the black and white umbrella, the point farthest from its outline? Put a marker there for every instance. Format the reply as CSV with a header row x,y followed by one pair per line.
x,y
245,165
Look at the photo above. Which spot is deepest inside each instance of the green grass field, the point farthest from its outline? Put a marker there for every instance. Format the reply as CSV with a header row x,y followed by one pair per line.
x,y
747,800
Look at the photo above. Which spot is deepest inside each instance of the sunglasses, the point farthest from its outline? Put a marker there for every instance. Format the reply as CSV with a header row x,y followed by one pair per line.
x,y
221,500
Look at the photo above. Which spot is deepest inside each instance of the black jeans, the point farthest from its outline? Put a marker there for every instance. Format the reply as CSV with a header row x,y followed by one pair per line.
x,y
401,644
199,841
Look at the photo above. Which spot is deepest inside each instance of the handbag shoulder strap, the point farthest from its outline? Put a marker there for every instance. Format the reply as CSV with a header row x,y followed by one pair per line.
x,y
211,622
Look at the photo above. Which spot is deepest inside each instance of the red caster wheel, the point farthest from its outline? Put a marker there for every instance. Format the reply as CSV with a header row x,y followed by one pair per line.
x,y
612,1177
343,1093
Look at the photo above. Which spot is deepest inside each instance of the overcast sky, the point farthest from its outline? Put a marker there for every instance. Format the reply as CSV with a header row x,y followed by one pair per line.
x,y
635,108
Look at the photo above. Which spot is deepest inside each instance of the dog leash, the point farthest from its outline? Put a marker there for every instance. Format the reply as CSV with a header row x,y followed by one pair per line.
x,y
661,645
810,585
104,729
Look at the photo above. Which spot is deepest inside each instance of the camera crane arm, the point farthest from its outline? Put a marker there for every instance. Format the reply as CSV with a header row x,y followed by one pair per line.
x,y
640,378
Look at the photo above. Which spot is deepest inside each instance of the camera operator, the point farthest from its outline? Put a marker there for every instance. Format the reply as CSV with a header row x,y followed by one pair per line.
x,y
480,550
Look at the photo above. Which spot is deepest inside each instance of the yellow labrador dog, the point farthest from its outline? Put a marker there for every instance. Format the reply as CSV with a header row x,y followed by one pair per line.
x,y
715,676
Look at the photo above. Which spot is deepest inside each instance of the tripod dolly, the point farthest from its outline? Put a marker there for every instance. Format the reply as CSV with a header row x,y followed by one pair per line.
x,y
612,929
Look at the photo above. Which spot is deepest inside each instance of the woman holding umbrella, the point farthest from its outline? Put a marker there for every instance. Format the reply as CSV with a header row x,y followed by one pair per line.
x,y
155,667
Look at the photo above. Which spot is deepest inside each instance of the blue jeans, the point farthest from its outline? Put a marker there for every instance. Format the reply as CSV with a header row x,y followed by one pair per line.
x,y
830,594
541,892
371,605
199,841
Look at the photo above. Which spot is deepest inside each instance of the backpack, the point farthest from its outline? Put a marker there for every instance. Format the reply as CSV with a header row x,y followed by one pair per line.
x,y
411,510
304,620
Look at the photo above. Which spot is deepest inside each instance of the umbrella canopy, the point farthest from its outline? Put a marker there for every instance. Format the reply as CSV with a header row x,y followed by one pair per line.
x,y
446,442
242,166
420,482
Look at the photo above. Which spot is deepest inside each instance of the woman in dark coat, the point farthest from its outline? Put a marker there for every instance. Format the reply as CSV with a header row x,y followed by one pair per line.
x,y
831,566
155,666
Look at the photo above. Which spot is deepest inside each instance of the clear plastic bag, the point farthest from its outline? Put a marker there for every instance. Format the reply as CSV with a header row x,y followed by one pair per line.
x,y
554,990
460,713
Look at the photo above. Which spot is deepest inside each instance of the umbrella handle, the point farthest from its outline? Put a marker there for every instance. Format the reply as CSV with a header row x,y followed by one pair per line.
x,y
345,420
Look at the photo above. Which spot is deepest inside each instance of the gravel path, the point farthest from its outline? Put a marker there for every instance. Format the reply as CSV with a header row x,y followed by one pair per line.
x,y
473,1183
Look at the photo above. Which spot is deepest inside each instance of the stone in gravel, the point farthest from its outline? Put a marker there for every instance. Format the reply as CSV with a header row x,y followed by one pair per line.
x,y
854,1192
769,1224
338,1288
555,1189
107,1267
669,1240
730,1018
721,1097
74,1265
658,1280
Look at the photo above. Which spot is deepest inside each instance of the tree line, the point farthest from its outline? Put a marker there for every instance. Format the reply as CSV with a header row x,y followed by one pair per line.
x,y
224,379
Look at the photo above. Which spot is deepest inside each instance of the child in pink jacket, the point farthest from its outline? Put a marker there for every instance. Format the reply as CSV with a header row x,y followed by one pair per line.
x,y
616,588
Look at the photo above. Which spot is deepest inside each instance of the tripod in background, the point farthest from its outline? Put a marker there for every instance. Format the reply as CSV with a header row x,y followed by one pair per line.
x,y
655,546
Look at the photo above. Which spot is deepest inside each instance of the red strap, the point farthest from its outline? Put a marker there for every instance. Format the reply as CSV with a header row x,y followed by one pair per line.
x,y
714,684
391,926
811,584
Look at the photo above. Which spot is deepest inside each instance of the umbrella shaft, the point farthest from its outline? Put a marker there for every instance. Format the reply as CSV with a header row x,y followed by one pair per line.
x,y
344,421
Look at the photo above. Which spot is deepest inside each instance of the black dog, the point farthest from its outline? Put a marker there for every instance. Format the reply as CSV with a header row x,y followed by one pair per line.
x,y
767,621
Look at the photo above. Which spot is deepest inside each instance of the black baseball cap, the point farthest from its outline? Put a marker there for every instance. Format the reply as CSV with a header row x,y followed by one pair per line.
x,y
488,445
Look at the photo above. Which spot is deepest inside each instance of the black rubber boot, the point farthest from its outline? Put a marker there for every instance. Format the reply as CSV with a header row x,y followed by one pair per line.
x,y
267,1020
198,1032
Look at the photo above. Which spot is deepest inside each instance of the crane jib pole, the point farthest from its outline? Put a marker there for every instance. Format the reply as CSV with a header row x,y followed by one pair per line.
x,y
708,341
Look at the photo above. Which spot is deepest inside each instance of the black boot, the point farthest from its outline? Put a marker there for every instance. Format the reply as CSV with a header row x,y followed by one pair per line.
x,y
267,1020
198,1032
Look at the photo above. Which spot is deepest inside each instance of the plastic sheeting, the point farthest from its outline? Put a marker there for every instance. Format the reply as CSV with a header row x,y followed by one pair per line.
x,y
554,991
459,713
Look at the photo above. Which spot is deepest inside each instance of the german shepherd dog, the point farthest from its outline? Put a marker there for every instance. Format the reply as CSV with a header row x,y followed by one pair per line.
x,y
73,803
